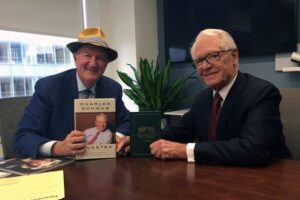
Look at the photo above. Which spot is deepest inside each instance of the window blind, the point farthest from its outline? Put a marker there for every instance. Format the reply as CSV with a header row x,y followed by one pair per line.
x,y
51,17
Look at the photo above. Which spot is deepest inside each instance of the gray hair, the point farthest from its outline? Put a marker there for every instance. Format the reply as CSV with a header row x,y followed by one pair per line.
x,y
226,40
81,48
102,115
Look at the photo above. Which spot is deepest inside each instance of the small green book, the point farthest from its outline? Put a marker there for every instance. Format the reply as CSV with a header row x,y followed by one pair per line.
x,y
144,129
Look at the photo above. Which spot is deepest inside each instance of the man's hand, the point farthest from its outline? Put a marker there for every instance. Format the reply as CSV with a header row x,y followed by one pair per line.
x,y
123,145
72,145
165,149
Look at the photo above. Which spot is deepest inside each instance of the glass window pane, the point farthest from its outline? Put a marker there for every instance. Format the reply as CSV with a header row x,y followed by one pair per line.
x,y
3,52
5,87
16,56
29,84
68,56
19,86
49,54
60,55
26,57
40,55
28,54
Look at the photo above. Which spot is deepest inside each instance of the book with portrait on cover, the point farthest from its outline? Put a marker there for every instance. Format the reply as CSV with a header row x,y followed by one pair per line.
x,y
96,118
144,129
27,166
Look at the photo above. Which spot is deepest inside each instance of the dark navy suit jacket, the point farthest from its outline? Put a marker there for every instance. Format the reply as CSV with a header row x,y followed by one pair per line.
x,y
249,130
50,113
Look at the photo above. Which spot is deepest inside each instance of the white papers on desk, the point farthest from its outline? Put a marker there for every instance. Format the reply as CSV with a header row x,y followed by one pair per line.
x,y
177,112
49,185
291,69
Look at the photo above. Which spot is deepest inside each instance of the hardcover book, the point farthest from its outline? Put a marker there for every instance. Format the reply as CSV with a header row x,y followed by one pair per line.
x,y
1,149
144,129
26,166
96,118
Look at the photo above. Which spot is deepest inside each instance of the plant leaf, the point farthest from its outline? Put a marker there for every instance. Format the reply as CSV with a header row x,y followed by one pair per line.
x,y
150,88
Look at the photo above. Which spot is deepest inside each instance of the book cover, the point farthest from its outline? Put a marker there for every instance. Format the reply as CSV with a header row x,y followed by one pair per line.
x,y
7,174
144,129
1,150
96,118
26,166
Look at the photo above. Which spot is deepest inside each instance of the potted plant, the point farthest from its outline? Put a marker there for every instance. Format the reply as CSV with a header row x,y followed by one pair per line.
x,y
151,89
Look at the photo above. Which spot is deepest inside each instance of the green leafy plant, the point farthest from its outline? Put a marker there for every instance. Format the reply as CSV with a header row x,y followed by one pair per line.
x,y
151,89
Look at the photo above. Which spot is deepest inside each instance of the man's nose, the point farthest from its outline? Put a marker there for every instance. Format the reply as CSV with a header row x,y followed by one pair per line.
x,y
93,61
205,65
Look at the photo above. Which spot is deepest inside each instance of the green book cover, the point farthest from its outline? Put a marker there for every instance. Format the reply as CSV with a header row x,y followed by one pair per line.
x,y
144,129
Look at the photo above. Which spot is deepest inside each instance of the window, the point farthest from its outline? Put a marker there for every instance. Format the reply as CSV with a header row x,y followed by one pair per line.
x,y
25,58
40,55
60,54
29,84
3,52
16,56
5,87
19,89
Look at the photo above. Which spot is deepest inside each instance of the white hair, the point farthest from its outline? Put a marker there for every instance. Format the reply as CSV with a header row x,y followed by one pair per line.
x,y
226,41
102,115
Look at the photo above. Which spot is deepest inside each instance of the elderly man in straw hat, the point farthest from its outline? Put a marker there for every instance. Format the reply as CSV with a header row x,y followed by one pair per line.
x,y
47,127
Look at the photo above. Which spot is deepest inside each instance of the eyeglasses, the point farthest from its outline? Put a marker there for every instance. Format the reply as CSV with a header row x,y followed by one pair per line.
x,y
211,58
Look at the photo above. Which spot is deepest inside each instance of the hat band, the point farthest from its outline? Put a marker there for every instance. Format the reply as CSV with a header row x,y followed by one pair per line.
x,y
94,40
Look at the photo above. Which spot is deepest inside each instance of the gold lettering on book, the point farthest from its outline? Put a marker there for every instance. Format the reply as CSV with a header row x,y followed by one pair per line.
x,y
95,105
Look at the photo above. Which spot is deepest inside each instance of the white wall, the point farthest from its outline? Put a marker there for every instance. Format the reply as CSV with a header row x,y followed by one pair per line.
x,y
131,29
146,28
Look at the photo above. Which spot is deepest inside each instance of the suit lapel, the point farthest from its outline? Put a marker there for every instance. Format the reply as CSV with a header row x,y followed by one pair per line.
x,y
206,104
103,88
71,94
229,104
99,88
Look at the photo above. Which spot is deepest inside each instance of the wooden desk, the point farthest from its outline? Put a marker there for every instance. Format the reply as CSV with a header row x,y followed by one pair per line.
x,y
148,178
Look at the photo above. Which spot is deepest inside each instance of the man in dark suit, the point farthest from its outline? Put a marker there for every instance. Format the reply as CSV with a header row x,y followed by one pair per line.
x,y
47,126
247,129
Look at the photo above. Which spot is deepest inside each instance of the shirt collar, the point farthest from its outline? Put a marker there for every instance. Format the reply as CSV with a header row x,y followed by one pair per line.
x,y
82,87
225,90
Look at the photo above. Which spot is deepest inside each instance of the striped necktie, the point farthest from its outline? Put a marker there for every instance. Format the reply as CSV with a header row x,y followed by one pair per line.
x,y
86,94
94,138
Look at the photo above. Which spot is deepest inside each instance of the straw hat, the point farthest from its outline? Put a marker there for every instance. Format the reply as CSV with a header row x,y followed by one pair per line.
x,y
93,36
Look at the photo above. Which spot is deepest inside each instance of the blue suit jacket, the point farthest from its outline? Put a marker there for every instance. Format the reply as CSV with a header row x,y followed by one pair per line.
x,y
249,130
50,113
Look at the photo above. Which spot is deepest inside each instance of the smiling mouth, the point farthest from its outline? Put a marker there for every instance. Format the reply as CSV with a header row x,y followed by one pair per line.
x,y
209,74
93,71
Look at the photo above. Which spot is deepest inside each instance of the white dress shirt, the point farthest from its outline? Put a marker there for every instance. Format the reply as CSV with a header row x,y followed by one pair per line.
x,y
105,137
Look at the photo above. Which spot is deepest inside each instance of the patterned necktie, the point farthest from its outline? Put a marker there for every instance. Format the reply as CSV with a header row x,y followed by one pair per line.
x,y
93,140
214,115
87,94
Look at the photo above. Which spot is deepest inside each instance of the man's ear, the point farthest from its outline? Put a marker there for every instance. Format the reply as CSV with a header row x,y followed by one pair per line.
x,y
235,56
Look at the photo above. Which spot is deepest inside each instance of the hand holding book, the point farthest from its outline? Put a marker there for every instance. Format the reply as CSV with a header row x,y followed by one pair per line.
x,y
72,145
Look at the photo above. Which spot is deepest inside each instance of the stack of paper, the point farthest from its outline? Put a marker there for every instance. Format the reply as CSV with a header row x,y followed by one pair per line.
x,y
49,185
